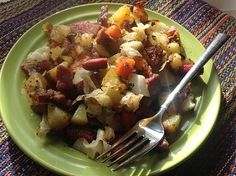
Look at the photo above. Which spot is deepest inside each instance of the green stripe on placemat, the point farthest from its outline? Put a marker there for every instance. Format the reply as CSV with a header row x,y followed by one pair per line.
x,y
217,155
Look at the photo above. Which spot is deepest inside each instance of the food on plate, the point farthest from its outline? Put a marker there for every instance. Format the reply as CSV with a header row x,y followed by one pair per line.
x,y
94,81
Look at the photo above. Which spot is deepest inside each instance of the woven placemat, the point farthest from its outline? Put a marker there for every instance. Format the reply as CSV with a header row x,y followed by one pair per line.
x,y
217,156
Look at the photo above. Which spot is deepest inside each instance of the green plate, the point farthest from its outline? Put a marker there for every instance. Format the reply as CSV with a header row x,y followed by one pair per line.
x,y
55,155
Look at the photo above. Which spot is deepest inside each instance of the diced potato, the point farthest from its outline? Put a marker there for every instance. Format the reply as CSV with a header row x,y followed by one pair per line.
x,y
171,123
131,101
86,40
173,47
159,27
109,133
112,59
171,118
103,99
52,74
80,115
111,85
113,92
156,38
57,118
111,78
56,52
121,15
47,27
34,82
93,107
175,62
67,59
64,29
58,33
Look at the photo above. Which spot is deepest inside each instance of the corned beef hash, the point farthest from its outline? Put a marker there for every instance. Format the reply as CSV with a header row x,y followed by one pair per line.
x,y
94,81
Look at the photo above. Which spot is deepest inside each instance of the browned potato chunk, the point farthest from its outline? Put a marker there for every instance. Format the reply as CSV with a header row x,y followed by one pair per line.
x,y
175,62
57,118
34,82
52,74
121,15
80,115
111,86
171,123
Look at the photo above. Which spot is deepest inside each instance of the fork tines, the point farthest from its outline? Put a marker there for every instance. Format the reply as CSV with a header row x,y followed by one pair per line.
x,y
125,150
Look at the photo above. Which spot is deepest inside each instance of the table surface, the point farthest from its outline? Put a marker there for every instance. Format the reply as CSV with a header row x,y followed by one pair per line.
x,y
217,156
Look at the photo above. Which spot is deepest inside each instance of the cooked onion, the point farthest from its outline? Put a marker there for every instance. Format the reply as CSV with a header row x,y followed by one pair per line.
x,y
131,101
139,84
84,75
94,148
131,48
40,54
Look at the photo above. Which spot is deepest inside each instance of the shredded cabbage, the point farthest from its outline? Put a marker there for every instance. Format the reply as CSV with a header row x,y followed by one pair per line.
x,y
40,54
188,103
44,127
97,146
139,84
131,48
103,99
84,75
138,33
131,101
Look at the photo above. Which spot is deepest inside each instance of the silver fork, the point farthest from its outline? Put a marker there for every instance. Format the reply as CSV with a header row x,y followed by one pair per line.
x,y
147,133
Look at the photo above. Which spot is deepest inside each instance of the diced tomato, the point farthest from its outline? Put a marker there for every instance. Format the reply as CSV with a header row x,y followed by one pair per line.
x,y
124,66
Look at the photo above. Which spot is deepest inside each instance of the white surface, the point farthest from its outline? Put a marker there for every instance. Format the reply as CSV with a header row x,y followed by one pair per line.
x,y
228,6
225,5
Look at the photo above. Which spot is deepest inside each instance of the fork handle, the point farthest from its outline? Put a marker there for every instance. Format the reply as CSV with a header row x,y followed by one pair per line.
x,y
219,40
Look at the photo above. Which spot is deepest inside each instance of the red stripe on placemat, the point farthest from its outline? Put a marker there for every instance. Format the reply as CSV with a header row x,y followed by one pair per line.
x,y
204,39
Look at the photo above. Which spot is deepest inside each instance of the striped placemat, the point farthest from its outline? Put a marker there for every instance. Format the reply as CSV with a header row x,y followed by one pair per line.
x,y
216,157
